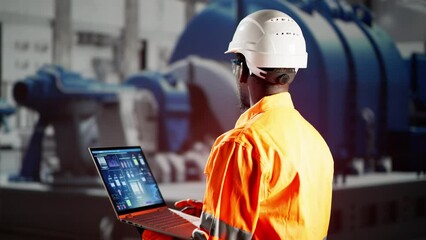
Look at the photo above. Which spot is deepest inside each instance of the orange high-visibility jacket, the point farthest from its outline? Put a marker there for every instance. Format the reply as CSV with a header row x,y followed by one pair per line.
x,y
268,178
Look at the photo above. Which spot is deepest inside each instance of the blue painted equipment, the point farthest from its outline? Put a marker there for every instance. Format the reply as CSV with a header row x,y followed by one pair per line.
x,y
418,83
69,102
173,107
410,151
355,90
5,111
213,95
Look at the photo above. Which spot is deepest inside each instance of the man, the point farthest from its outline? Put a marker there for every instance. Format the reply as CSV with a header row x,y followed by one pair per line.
x,y
271,176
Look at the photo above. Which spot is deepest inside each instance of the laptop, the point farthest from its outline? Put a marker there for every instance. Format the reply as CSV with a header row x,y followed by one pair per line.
x,y
135,194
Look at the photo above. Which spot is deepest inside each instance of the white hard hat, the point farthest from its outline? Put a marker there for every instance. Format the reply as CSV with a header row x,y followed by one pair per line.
x,y
269,39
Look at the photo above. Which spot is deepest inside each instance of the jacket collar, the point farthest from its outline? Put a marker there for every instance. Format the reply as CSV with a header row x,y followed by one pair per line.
x,y
280,100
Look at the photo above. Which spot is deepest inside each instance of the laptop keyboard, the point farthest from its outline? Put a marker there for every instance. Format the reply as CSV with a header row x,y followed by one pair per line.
x,y
164,219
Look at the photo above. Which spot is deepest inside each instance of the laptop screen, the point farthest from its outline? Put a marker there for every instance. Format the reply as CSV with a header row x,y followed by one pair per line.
x,y
127,178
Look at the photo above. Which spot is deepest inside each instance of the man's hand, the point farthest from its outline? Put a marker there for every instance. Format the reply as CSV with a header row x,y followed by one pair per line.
x,y
190,206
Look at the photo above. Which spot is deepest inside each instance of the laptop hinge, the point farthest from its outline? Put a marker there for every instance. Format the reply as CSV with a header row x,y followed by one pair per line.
x,y
131,215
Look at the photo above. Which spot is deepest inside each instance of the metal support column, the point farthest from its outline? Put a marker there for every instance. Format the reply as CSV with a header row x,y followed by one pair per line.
x,y
62,33
189,10
130,61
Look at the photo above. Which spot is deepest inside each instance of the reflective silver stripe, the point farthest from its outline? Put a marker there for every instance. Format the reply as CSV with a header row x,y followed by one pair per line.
x,y
219,229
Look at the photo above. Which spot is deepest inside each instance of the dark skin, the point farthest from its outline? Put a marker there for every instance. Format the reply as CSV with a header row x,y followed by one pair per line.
x,y
259,88
253,88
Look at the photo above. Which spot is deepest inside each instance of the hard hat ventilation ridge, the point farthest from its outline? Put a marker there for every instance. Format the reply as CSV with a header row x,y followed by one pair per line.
x,y
282,19
287,33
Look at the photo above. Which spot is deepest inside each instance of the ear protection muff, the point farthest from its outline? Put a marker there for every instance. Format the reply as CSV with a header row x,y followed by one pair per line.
x,y
282,79
280,76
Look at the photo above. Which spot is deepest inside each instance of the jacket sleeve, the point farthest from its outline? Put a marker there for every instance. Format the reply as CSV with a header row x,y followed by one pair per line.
x,y
234,189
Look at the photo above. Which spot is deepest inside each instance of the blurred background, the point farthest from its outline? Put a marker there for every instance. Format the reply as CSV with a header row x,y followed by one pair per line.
x,y
83,73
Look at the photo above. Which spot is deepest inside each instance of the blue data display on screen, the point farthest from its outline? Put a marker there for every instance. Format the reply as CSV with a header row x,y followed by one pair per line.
x,y
128,178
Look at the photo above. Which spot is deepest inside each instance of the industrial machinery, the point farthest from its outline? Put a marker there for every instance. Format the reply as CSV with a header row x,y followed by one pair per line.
x,y
173,107
5,110
213,94
367,101
356,89
183,121
417,63
151,109
69,103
